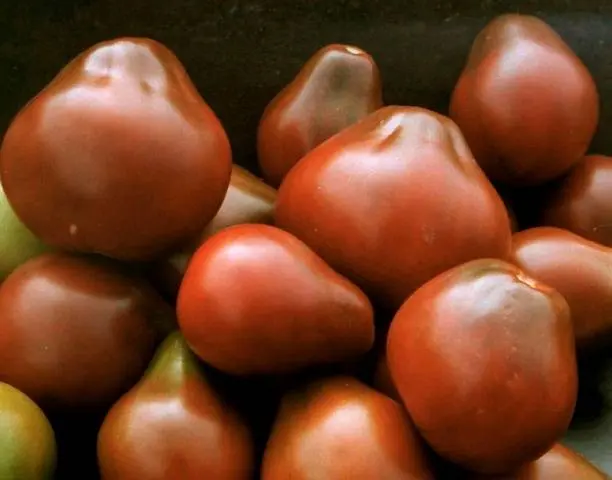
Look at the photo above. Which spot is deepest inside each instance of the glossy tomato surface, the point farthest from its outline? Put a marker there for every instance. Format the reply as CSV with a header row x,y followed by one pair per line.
x,y
339,85
483,357
579,269
255,299
525,102
394,200
118,155
338,428
75,331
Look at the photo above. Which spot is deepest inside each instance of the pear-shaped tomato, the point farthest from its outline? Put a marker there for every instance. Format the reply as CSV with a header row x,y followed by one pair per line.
x,y
582,201
76,331
338,86
483,358
248,200
27,441
526,104
337,429
256,300
394,200
173,425
577,268
118,155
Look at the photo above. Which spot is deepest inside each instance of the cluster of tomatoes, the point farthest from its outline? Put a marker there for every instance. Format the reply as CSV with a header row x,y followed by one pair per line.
x,y
373,309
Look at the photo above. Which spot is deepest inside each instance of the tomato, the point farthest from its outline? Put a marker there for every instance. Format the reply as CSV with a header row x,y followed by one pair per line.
x,y
255,299
76,332
526,104
338,86
383,380
28,449
559,462
577,268
118,155
338,428
582,202
248,200
173,424
394,200
484,360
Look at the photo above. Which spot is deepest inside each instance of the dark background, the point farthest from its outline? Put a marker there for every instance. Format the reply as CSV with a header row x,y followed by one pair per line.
x,y
240,53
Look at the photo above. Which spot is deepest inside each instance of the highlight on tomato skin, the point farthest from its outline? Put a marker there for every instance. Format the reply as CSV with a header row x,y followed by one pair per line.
x,y
337,428
174,424
525,102
119,155
579,269
394,200
483,357
256,300
582,201
338,86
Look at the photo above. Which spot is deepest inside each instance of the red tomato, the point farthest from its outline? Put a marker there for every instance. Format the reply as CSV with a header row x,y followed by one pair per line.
x,y
255,299
394,200
75,331
577,268
338,86
582,202
483,358
526,104
118,155
338,429
248,200
173,425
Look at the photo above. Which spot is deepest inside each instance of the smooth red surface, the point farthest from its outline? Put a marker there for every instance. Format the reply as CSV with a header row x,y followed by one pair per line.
x,y
577,268
338,429
76,332
248,200
526,104
483,357
582,202
255,299
339,85
394,200
118,155
174,425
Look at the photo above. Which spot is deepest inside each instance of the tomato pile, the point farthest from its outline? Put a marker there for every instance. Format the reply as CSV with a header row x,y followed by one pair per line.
x,y
406,295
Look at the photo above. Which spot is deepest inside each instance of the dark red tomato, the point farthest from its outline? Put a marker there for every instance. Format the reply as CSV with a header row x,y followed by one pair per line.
x,y
248,200
337,87
582,203
526,104
558,463
118,155
382,378
173,425
577,268
76,331
338,429
483,358
255,299
394,200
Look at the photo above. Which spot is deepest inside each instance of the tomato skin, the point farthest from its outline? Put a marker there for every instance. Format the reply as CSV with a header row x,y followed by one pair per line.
x,y
75,331
526,104
248,200
582,202
173,424
339,85
118,155
559,462
394,200
483,358
577,268
338,428
255,300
